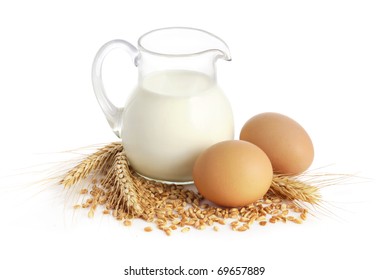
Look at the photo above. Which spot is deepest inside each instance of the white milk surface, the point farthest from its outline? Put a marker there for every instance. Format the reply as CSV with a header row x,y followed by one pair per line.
x,y
170,119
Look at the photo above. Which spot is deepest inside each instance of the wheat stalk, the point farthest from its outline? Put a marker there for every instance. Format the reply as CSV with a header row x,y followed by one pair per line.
x,y
101,160
120,184
289,188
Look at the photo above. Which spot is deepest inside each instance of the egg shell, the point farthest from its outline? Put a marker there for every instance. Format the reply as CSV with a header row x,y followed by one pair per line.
x,y
233,173
285,142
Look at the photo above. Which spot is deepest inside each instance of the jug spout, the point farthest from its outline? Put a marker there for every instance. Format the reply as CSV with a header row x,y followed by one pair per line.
x,y
218,47
184,48
183,41
222,54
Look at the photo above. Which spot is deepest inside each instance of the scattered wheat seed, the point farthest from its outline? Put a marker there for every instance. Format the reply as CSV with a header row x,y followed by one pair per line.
x,y
251,221
148,229
91,213
297,221
242,228
201,227
233,224
127,223
272,220
83,191
185,229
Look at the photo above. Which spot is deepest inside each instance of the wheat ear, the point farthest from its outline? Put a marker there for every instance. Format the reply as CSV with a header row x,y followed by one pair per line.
x,y
101,160
121,186
292,189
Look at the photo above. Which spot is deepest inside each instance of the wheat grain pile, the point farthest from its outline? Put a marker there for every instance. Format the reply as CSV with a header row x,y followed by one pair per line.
x,y
109,183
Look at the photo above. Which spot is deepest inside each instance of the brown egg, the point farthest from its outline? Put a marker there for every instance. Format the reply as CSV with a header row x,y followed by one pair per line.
x,y
285,142
233,173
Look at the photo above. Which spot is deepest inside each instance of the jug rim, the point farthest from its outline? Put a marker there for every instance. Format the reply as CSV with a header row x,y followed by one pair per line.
x,y
142,48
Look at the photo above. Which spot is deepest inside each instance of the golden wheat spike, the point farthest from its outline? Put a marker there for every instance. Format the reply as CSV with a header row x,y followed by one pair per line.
x,y
99,160
292,189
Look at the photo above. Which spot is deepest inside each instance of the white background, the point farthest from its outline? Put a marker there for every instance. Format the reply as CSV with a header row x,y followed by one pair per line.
x,y
323,63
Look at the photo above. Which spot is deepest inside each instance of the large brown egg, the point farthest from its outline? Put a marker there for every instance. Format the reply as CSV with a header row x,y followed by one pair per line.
x,y
233,173
285,142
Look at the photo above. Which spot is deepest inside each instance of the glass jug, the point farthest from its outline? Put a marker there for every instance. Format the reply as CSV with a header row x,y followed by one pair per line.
x,y
176,110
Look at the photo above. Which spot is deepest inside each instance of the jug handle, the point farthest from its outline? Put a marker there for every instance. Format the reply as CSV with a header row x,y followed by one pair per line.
x,y
112,113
